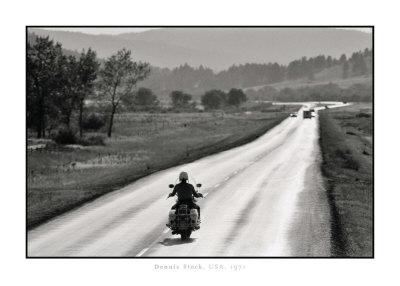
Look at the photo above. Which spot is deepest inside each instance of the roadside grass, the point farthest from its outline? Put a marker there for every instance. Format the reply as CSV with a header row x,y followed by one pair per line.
x,y
346,144
142,143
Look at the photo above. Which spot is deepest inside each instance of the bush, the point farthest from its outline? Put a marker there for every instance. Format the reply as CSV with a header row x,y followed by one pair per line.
x,y
93,122
65,137
92,141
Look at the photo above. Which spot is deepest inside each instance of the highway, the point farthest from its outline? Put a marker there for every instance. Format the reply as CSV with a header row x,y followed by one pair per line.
x,y
265,198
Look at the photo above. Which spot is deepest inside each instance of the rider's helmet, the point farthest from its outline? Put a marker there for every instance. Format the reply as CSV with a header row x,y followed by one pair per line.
x,y
183,176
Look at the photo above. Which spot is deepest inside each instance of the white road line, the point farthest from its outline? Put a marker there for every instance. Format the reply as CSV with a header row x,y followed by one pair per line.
x,y
142,252
227,178
217,185
166,230
205,195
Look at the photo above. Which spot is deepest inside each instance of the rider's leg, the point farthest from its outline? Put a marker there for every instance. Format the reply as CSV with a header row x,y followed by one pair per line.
x,y
197,208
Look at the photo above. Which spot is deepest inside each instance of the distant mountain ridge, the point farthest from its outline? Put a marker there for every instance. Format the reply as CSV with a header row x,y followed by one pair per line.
x,y
218,48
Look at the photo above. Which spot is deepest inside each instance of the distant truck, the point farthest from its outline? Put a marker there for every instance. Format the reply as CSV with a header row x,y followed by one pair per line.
x,y
307,114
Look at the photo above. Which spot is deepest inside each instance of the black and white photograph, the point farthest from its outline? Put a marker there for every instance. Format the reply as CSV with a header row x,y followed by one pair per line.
x,y
213,142
200,141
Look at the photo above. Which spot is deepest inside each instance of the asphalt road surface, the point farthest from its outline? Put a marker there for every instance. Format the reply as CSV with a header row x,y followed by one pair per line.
x,y
264,198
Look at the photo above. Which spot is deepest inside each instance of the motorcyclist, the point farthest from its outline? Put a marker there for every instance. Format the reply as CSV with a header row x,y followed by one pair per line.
x,y
186,193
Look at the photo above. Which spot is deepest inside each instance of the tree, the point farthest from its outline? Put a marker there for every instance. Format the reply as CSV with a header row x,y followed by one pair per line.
x,y
118,77
44,74
236,97
342,59
145,97
329,61
213,99
67,99
180,99
358,63
87,69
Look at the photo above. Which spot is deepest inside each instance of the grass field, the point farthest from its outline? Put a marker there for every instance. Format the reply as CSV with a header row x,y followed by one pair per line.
x,y
142,143
346,137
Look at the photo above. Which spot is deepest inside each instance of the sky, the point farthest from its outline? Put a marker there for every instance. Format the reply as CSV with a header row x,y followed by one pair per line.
x,y
97,31
116,31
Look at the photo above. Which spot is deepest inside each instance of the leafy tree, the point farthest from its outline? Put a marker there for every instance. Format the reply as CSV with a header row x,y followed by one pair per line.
x,y
87,69
213,99
44,74
118,77
145,97
67,99
180,99
236,97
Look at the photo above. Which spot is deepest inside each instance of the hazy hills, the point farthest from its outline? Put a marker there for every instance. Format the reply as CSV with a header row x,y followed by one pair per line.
x,y
219,48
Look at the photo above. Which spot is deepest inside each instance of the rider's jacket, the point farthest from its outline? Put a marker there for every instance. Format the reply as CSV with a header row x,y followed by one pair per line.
x,y
185,191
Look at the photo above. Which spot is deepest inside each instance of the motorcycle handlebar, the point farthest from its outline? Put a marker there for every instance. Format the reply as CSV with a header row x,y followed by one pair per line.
x,y
202,197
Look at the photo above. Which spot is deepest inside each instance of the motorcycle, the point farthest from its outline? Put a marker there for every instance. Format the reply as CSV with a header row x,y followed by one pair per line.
x,y
183,220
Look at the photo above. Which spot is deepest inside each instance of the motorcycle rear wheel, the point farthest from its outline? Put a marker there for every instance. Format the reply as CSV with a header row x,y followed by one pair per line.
x,y
185,235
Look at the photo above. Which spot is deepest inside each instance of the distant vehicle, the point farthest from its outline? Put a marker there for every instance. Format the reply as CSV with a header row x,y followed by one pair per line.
x,y
293,115
307,114
312,110
344,102
326,107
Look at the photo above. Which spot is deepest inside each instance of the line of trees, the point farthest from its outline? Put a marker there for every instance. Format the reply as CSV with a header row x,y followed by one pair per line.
x,y
198,80
215,99
58,84
325,92
357,64
211,99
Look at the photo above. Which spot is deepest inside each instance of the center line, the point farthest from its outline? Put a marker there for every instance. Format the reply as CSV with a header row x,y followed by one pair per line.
x,y
217,185
166,230
142,252
205,195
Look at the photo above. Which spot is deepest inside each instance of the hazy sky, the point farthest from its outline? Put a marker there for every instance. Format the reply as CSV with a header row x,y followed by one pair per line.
x,y
115,31
97,31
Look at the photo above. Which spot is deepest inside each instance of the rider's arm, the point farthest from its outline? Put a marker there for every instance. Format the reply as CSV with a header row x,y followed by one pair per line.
x,y
196,194
173,192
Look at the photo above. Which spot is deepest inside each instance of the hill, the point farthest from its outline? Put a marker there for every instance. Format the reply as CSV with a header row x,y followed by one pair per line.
x,y
219,48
